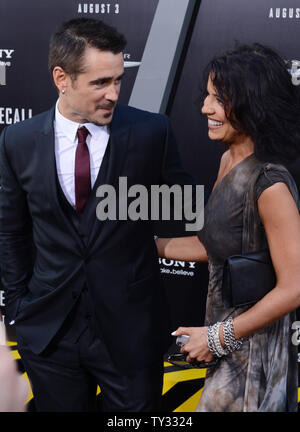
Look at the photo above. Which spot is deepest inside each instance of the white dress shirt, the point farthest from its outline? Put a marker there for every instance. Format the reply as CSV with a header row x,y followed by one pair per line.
x,y
65,132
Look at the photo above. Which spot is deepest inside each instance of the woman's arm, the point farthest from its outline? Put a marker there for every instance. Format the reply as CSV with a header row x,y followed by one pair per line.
x,y
188,248
280,217
181,248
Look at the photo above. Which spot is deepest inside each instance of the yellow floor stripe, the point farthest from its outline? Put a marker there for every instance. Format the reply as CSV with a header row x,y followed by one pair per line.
x,y
11,343
172,378
190,404
30,395
15,354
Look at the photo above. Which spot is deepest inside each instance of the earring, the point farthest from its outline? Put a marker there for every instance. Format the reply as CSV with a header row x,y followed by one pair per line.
x,y
63,91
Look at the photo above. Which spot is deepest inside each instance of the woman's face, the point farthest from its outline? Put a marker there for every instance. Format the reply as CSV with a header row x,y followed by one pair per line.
x,y
219,127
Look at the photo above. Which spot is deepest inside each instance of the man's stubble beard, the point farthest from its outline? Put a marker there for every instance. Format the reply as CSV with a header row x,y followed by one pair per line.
x,y
96,122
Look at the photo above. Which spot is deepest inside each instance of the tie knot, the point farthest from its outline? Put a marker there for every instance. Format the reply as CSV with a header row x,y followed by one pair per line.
x,y
82,133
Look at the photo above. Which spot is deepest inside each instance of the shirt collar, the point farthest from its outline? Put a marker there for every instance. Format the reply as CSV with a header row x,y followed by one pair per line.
x,y
69,127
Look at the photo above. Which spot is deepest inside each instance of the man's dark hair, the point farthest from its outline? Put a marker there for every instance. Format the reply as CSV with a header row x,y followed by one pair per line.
x,y
68,44
259,99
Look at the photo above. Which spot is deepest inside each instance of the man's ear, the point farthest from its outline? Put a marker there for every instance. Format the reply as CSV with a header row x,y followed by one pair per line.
x,y
60,78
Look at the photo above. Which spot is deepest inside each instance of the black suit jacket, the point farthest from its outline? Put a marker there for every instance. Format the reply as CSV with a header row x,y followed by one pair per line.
x,y
46,262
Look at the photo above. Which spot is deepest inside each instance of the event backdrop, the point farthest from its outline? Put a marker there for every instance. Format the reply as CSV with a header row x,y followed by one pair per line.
x,y
169,43
28,89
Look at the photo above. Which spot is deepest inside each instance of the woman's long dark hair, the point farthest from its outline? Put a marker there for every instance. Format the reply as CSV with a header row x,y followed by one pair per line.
x,y
259,99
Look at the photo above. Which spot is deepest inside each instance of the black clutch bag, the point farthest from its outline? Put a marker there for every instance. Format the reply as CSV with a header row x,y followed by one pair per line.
x,y
247,278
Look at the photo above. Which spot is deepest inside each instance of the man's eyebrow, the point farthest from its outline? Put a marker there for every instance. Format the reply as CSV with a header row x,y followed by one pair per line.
x,y
122,75
103,80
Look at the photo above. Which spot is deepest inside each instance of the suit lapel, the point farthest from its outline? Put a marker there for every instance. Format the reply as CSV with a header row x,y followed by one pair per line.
x,y
46,145
119,141
118,149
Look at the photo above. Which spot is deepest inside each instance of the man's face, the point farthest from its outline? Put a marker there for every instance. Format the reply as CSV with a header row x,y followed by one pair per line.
x,y
92,96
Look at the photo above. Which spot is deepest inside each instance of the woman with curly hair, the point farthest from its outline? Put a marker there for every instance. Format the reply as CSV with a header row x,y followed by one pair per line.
x,y
252,105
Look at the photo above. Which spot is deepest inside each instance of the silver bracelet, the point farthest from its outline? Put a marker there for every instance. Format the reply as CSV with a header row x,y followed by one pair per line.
x,y
226,335
213,338
209,340
216,332
232,344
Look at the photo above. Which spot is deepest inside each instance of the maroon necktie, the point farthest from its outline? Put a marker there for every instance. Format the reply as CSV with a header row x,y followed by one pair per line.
x,y
82,170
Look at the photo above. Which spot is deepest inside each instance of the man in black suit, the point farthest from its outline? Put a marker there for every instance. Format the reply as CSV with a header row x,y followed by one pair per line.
x,y
85,294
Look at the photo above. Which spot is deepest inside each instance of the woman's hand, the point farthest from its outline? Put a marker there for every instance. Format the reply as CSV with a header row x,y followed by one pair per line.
x,y
196,347
181,248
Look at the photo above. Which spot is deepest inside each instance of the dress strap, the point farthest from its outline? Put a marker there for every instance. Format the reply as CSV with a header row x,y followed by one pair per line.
x,y
253,236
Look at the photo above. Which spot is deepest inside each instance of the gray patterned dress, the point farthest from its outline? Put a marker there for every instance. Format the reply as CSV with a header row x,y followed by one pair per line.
x,y
263,375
